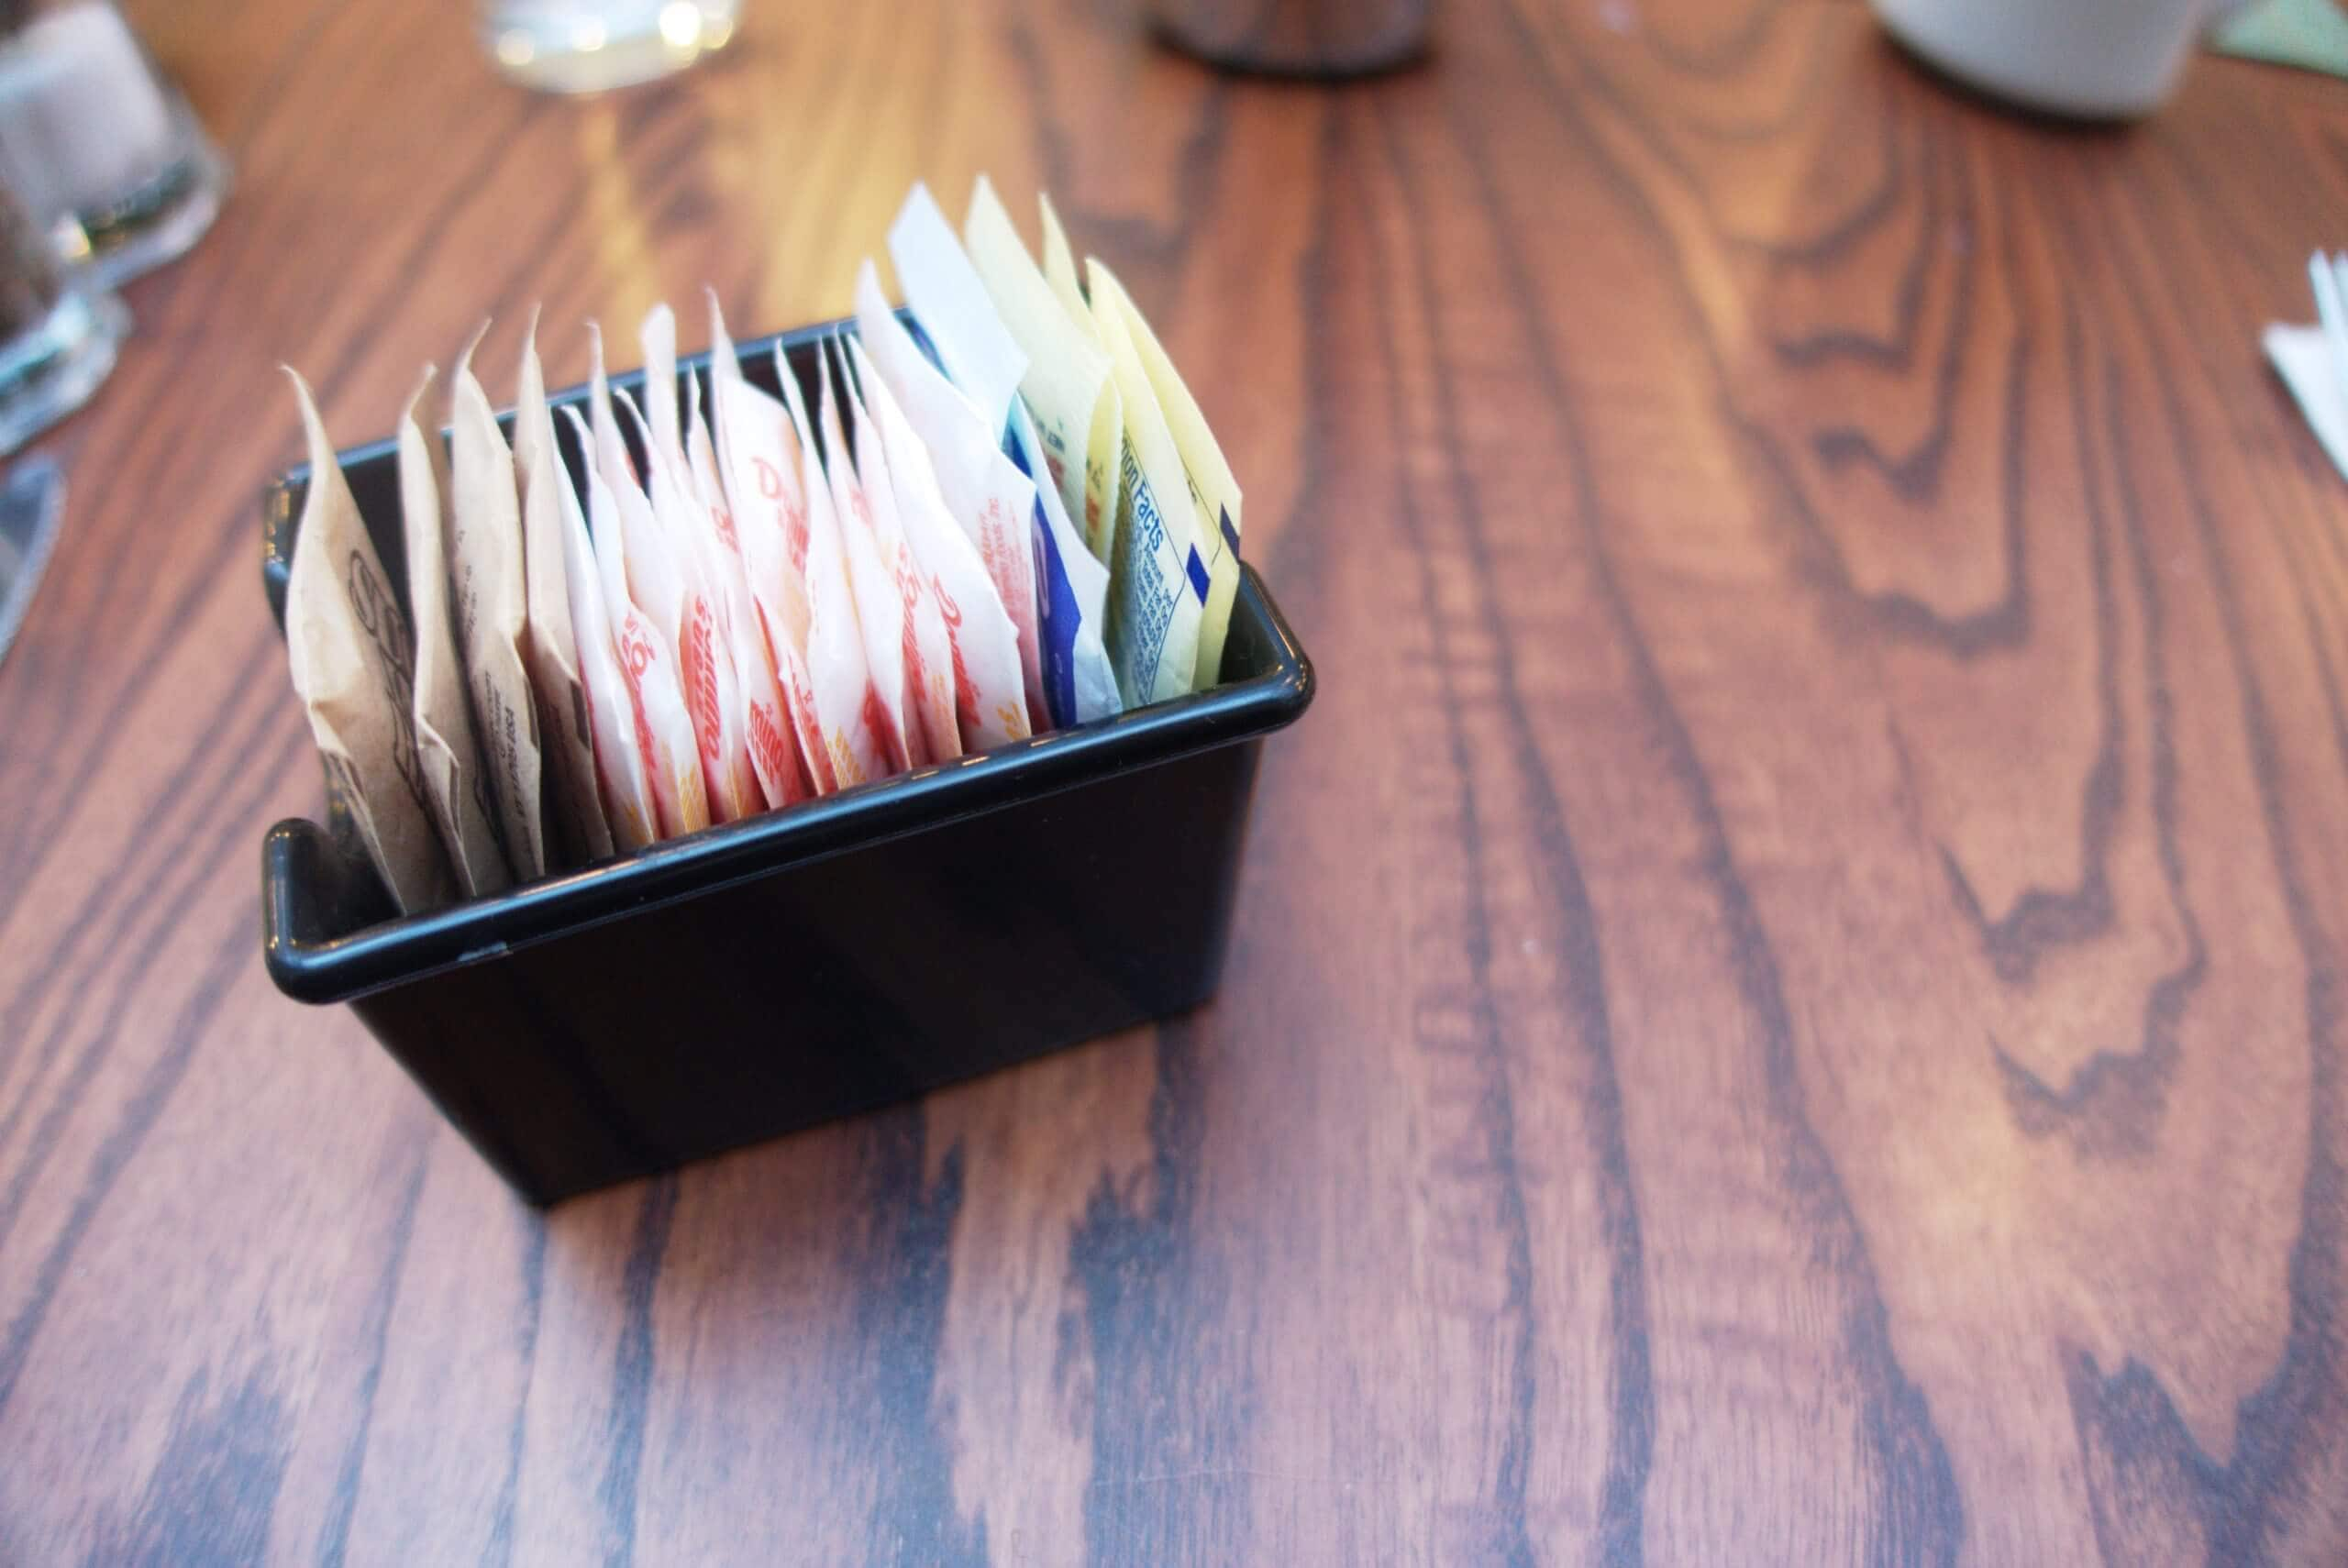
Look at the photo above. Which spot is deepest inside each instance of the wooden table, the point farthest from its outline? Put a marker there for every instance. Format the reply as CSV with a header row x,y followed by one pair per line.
x,y
1788,998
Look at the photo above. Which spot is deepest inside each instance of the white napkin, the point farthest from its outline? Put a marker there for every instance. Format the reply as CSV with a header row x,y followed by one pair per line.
x,y
2302,356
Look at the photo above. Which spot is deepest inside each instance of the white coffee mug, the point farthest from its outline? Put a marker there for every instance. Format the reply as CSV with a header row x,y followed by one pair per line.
x,y
2093,59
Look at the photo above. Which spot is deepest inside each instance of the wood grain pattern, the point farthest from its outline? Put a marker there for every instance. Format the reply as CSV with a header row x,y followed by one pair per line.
x,y
1788,1004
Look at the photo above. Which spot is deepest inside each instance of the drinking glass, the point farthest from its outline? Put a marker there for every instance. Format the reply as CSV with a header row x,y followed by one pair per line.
x,y
586,46
57,337
32,502
99,147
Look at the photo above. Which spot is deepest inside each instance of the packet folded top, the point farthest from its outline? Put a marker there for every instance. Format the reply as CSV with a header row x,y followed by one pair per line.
x,y
982,643
566,729
987,364
774,754
456,785
759,459
927,649
1214,493
484,528
351,656
1069,385
845,702
984,492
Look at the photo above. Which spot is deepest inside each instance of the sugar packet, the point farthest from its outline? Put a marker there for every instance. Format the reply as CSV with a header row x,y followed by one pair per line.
x,y
352,660
456,786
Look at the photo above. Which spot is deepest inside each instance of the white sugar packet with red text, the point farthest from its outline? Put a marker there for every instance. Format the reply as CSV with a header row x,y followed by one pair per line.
x,y
880,612
993,502
621,742
988,703
689,610
845,702
774,753
759,458
632,558
928,648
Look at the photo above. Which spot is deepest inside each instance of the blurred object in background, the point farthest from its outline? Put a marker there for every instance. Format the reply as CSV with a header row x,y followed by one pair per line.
x,y
586,46
2104,59
57,339
1296,37
31,500
2309,34
96,144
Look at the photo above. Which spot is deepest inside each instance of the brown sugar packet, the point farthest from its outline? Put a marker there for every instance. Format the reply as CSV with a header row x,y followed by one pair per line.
x,y
492,615
349,648
551,650
456,785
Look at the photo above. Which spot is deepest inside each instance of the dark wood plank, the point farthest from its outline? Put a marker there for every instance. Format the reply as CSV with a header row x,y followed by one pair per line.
x,y
1787,1003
